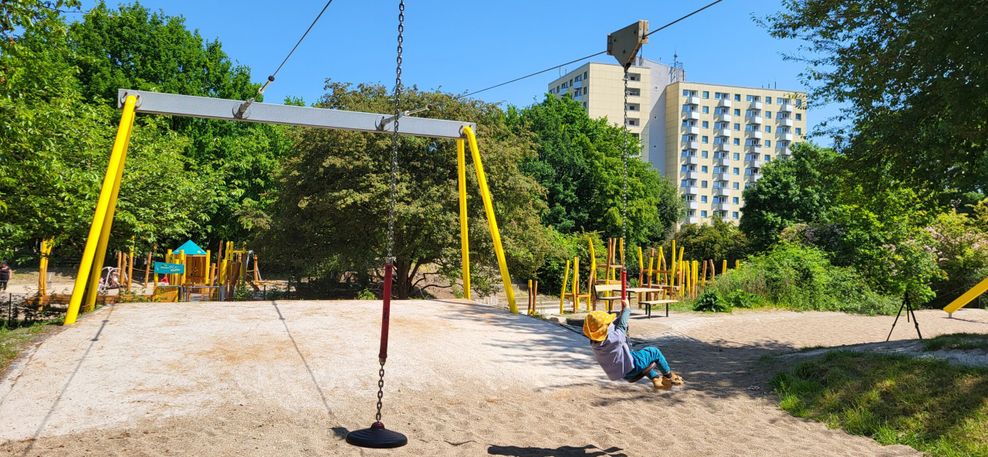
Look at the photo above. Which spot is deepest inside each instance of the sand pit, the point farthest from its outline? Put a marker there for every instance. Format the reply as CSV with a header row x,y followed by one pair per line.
x,y
289,378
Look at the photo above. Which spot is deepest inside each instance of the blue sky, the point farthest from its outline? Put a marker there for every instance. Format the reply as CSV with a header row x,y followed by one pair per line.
x,y
471,44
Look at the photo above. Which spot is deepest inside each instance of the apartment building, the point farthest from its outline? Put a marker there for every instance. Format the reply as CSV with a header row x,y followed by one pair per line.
x,y
710,140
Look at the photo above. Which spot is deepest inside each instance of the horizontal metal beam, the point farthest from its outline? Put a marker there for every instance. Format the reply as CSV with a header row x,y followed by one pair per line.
x,y
218,108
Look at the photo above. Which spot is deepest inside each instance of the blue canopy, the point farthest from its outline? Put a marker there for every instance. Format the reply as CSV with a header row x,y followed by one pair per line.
x,y
190,248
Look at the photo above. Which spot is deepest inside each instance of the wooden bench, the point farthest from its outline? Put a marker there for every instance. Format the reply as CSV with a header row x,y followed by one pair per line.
x,y
648,306
605,288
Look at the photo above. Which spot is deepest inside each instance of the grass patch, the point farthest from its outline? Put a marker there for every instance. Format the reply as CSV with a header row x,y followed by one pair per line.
x,y
12,341
961,341
929,405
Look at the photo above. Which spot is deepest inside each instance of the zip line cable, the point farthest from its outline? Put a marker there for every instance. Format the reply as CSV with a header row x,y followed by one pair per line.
x,y
239,114
663,27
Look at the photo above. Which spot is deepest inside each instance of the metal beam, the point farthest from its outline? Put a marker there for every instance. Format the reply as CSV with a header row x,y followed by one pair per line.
x,y
218,108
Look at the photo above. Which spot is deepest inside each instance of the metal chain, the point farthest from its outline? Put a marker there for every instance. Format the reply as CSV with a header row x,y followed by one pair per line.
x,y
394,137
394,182
380,393
624,176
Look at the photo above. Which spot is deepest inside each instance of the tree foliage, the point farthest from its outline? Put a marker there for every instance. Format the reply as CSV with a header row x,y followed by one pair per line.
x,y
912,75
718,240
20,15
333,205
579,164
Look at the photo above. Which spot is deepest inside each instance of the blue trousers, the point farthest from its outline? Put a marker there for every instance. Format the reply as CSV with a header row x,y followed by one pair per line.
x,y
643,358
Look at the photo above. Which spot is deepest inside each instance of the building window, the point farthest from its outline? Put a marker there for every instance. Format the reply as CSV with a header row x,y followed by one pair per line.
x,y
634,77
734,214
799,117
737,97
632,122
737,142
736,171
632,107
736,201
737,127
706,94
703,184
799,103
705,139
703,198
706,110
585,75
768,143
799,131
634,92
750,98
737,156
737,112
768,100
706,124
686,93
704,169
768,129
704,154
768,115
735,186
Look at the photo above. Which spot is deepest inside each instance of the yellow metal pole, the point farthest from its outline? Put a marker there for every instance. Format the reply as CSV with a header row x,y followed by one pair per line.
x,y
102,205
673,264
593,262
485,194
210,270
723,266
576,284
562,295
967,297
461,173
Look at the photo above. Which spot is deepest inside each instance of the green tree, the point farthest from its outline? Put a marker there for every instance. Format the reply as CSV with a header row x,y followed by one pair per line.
x,y
20,15
718,240
793,190
334,196
135,48
911,75
579,163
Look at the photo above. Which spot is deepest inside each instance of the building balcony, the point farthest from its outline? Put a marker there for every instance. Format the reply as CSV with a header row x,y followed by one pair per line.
x,y
690,190
691,130
786,122
722,176
693,204
694,145
689,159
723,132
693,220
786,137
754,148
725,102
757,105
722,161
691,114
785,107
755,119
721,191
692,100
724,146
724,117
723,206
690,174
755,134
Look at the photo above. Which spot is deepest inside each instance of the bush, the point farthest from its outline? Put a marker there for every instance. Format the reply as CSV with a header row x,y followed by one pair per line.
x,y
710,301
564,247
801,278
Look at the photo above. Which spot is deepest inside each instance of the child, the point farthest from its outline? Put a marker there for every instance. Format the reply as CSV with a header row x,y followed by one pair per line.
x,y
5,274
610,347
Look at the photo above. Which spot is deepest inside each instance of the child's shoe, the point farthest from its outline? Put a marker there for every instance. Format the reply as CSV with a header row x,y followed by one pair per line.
x,y
661,383
676,379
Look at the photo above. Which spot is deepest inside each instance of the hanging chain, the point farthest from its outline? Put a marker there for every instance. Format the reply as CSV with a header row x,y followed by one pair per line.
x,y
393,185
380,393
624,175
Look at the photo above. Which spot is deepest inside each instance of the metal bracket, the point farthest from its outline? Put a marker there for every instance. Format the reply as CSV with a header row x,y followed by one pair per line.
x,y
218,108
385,121
624,44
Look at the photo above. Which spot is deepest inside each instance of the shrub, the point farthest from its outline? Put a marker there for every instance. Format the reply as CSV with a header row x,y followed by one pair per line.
x,y
801,278
710,301
741,299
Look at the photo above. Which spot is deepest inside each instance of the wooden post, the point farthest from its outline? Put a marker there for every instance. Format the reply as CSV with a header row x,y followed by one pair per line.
x,y
703,281
562,295
576,284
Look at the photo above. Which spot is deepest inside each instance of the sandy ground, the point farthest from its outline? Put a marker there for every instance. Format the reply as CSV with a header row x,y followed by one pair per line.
x,y
291,378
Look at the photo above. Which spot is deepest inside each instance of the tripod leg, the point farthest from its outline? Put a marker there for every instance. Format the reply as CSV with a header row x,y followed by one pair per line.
x,y
896,321
916,322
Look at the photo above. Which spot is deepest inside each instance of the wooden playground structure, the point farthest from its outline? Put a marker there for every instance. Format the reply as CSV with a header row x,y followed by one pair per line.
x,y
662,279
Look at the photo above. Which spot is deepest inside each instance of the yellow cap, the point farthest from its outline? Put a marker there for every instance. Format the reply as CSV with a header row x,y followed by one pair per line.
x,y
595,325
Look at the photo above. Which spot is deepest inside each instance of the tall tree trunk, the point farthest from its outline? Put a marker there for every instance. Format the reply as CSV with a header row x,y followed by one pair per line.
x,y
401,277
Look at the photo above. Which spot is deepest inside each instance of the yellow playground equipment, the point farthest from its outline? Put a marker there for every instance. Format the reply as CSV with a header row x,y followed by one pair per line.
x,y
574,290
966,297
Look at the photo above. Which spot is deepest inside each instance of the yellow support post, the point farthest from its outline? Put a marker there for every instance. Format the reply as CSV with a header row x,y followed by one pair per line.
x,y
660,265
641,268
181,258
562,295
967,297
723,267
110,182
576,284
461,173
673,264
485,194
737,264
209,270
593,262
